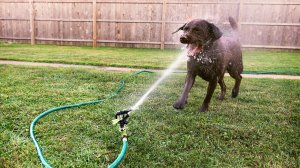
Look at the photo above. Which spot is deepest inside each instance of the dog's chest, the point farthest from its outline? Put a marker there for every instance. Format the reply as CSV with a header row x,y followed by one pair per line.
x,y
204,59
204,64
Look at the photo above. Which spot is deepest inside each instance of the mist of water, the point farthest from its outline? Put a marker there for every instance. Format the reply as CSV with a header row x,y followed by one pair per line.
x,y
165,73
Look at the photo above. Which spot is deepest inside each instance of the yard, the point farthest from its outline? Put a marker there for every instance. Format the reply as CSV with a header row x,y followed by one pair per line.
x,y
260,128
282,62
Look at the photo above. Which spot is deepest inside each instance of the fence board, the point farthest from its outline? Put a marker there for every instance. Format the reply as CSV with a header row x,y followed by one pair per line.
x,y
19,28
94,23
141,23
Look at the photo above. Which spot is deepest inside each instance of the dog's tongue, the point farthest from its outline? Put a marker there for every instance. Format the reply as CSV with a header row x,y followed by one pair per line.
x,y
193,50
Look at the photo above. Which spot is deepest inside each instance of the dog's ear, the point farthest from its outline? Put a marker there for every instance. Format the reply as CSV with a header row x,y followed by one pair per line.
x,y
180,28
214,31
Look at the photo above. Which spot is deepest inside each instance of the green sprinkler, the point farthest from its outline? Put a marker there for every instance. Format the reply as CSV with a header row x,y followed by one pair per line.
x,y
121,118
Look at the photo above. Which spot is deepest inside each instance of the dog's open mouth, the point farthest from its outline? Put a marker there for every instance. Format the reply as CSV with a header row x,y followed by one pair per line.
x,y
194,49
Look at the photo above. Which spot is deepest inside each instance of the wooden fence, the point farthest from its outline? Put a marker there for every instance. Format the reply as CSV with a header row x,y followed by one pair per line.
x,y
146,23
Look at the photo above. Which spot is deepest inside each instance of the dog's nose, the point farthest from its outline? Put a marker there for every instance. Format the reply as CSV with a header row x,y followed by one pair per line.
x,y
183,39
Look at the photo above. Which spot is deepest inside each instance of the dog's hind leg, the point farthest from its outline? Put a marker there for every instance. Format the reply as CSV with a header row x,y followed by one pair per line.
x,y
223,88
238,78
236,88
235,69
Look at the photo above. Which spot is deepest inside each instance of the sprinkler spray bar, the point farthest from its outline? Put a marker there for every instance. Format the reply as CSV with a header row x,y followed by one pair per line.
x,y
121,117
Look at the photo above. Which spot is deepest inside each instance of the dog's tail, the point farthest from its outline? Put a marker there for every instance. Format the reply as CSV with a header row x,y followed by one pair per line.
x,y
234,26
233,23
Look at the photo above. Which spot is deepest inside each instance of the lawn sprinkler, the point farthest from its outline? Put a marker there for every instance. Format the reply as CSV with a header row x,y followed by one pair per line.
x,y
121,117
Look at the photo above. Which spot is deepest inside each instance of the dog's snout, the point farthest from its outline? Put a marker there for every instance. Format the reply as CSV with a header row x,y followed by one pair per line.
x,y
183,39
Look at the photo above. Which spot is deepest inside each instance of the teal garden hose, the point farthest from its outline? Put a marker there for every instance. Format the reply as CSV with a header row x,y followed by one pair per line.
x,y
121,155
125,143
121,117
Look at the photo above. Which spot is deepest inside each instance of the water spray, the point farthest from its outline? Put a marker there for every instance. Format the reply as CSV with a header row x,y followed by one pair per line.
x,y
121,117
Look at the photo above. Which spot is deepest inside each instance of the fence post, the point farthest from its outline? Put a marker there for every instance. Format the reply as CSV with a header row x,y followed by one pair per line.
x,y
32,27
163,25
94,23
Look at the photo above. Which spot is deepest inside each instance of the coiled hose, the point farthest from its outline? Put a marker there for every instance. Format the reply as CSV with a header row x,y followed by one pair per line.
x,y
121,86
32,126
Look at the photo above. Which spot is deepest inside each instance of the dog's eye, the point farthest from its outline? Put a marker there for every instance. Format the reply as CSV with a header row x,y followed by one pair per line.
x,y
197,30
185,29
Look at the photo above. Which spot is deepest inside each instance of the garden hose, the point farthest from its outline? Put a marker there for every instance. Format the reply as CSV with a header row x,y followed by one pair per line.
x,y
121,116
279,72
121,155
273,72
32,126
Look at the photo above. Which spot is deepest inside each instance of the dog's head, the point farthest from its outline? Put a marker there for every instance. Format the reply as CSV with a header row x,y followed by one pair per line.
x,y
198,33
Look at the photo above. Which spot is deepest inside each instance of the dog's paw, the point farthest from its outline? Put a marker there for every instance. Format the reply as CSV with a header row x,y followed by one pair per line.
x,y
234,93
178,105
220,98
203,108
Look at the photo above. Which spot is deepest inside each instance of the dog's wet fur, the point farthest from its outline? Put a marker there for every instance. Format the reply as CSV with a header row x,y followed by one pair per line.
x,y
210,55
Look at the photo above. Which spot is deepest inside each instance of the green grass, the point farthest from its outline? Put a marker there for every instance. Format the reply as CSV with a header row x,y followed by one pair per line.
x,y
277,61
281,62
103,56
260,128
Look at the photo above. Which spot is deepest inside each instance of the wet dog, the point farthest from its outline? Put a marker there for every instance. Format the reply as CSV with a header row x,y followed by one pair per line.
x,y
210,55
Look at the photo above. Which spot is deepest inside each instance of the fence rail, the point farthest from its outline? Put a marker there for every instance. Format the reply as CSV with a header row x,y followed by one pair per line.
x,y
137,23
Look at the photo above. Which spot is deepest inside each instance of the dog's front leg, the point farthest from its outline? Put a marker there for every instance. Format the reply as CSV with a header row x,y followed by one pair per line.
x,y
210,90
189,81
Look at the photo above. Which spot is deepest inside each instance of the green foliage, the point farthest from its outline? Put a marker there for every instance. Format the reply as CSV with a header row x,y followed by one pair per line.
x,y
260,128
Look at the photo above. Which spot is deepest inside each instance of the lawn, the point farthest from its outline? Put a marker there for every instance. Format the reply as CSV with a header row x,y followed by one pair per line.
x,y
260,128
281,62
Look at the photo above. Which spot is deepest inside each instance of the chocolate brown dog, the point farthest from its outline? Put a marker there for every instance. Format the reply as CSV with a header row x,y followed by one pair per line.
x,y
210,56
